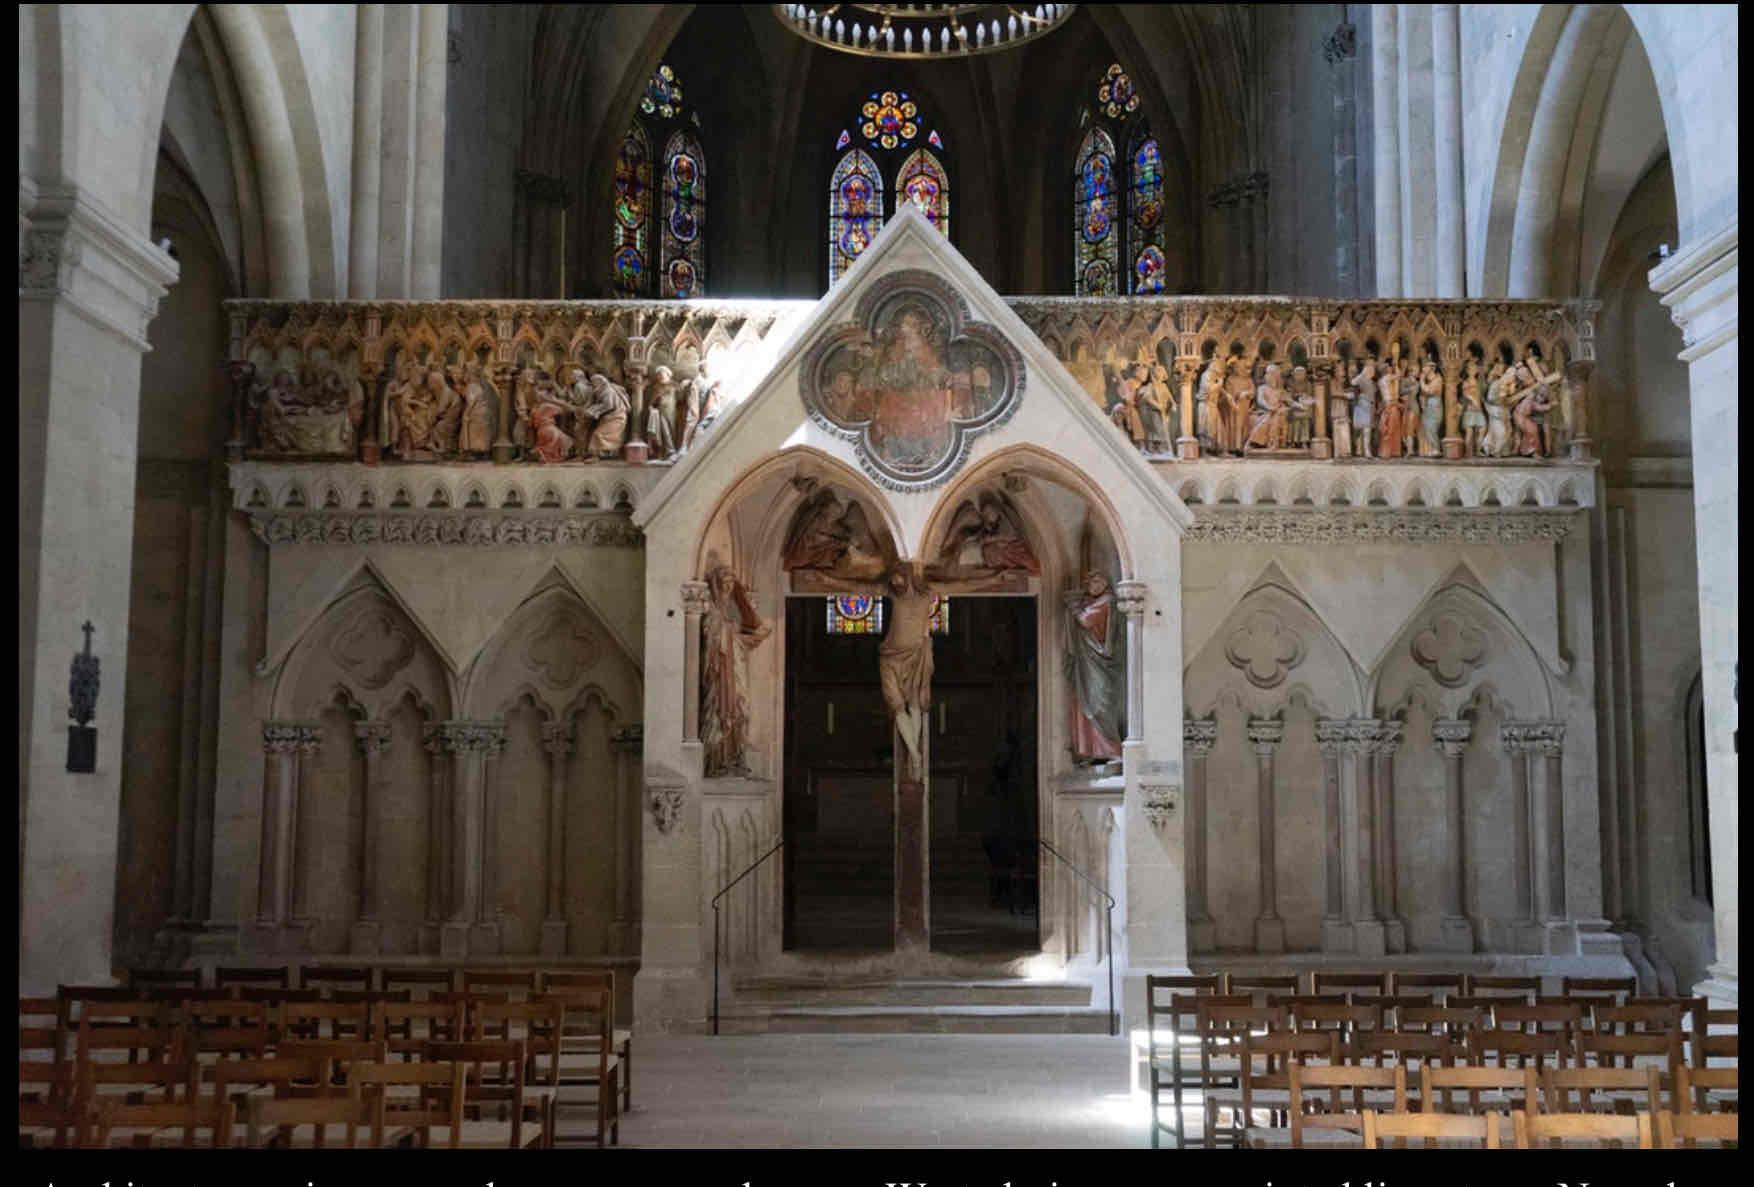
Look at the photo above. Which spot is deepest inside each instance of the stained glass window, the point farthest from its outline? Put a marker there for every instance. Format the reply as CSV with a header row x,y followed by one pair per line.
x,y
934,141
922,182
1115,93
889,119
1094,207
855,209
846,138
684,261
855,614
663,95
940,614
632,223
1145,218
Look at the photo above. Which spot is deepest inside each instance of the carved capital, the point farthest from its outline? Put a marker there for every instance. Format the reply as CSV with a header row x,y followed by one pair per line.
x,y
432,737
1330,736
1388,737
1265,734
1130,596
629,739
280,737
1358,734
557,738
1198,737
696,597
310,738
1451,734
372,737
1159,802
1544,737
469,737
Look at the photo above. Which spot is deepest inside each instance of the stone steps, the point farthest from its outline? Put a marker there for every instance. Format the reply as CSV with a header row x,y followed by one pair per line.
x,y
913,993
911,1005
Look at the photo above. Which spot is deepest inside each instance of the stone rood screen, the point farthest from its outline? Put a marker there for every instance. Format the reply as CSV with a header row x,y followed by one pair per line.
x,y
910,379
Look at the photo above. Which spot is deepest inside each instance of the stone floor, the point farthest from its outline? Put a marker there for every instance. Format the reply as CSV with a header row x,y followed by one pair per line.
x,y
811,1090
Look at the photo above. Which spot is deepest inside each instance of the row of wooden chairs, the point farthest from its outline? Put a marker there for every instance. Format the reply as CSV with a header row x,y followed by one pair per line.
x,y
1196,1030
1535,1131
420,979
130,1046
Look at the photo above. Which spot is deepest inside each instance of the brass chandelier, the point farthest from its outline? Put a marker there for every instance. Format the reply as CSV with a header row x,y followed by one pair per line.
x,y
922,30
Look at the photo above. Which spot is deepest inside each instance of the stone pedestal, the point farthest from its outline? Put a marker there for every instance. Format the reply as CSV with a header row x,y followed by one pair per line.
x,y
1321,449
1369,938
484,939
1270,935
636,452
1337,936
553,938
365,937
1455,934
1187,449
454,940
1452,449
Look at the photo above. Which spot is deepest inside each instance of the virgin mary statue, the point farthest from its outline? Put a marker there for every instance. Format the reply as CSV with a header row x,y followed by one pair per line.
x,y
1096,658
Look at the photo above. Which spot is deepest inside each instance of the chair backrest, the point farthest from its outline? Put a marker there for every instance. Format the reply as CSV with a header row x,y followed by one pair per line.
x,y
1325,982
1559,1084
337,1054
1621,987
1161,996
1331,1085
371,997
1441,984
132,1029
276,977
1261,984
159,1081
230,1027
335,976
438,1103
1724,1043
586,1014
188,1114
1604,1049
1392,1003
306,1020
537,1022
1678,1130
1694,1086
1481,985
580,979
275,995
1643,1017
1487,1002
506,981
1528,1048
421,981
1343,1019
1458,1089
479,1055
1266,1059
1533,1130
270,1117
1379,1127
407,1026
1450,1020
156,978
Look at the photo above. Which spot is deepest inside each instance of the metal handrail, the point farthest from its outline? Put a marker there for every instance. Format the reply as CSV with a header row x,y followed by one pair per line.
x,y
716,929
1108,930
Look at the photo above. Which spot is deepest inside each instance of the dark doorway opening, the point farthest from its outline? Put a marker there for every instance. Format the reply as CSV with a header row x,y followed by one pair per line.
x,y
839,782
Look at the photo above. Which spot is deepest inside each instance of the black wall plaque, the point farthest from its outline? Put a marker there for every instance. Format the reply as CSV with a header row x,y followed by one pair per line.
x,y
82,686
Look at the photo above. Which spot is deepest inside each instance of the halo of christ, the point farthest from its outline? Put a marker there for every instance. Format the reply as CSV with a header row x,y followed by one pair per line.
x,y
912,380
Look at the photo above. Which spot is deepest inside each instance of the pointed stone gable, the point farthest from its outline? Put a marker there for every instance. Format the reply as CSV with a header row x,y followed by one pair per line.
x,y
909,264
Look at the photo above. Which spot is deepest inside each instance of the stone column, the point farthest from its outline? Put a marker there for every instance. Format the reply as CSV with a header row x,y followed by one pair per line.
x,y
280,741
88,284
1265,734
504,450
368,132
1386,142
1187,446
1341,52
696,596
485,938
466,930
1336,931
1321,446
297,842
372,737
240,373
371,450
1578,377
1462,929
1130,596
438,812
1357,796
1700,284
1197,740
1447,124
629,744
1547,739
636,449
433,53
1388,741
1513,736
557,740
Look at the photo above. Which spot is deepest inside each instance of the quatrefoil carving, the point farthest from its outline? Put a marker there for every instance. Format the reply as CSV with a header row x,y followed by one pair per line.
x,y
561,650
374,647
1264,649
1449,648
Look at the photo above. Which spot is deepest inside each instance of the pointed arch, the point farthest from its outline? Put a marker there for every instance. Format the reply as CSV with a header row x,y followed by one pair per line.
x,y
683,266
1458,642
855,210
1271,647
1095,239
923,181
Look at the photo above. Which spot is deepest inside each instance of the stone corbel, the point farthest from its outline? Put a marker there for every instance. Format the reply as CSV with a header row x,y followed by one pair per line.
x,y
1159,800
77,252
665,797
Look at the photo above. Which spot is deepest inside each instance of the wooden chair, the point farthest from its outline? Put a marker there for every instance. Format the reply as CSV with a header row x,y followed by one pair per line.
x,y
1431,1128
1644,1017
560,982
1408,1050
1221,1028
235,1081
305,1020
1599,1049
164,978
1620,987
1391,1004
338,1055
1535,1049
124,1031
1697,1089
167,1081
1677,1131
537,1023
229,1029
494,1114
1537,1130
335,976
418,981
275,1121
129,1123
1601,1090
1486,1003
47,1115
1168,1006
1566,1021
1265,1078
1476,985
1349,983
1336,1123
589,1059
1261,984
1708,1045
407,1026
1345,1021
271,978
507,981
437,1101
1587,1003
1476,1089
1448,1020
1439,984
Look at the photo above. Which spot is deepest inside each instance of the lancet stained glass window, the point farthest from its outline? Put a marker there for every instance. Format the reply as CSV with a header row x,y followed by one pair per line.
x,y
1145,218
862,614
922,181
855,206
684,260
632,223
1095,233
660,200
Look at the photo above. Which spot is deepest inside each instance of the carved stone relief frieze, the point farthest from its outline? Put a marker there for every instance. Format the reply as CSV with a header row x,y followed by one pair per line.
x,y
460,529
1329,527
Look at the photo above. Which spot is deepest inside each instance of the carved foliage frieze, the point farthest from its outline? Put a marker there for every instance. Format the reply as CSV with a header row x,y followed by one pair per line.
x,y
450,530
1329,527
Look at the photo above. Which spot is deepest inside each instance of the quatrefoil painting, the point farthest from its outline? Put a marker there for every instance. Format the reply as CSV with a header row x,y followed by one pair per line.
x,y
912,381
